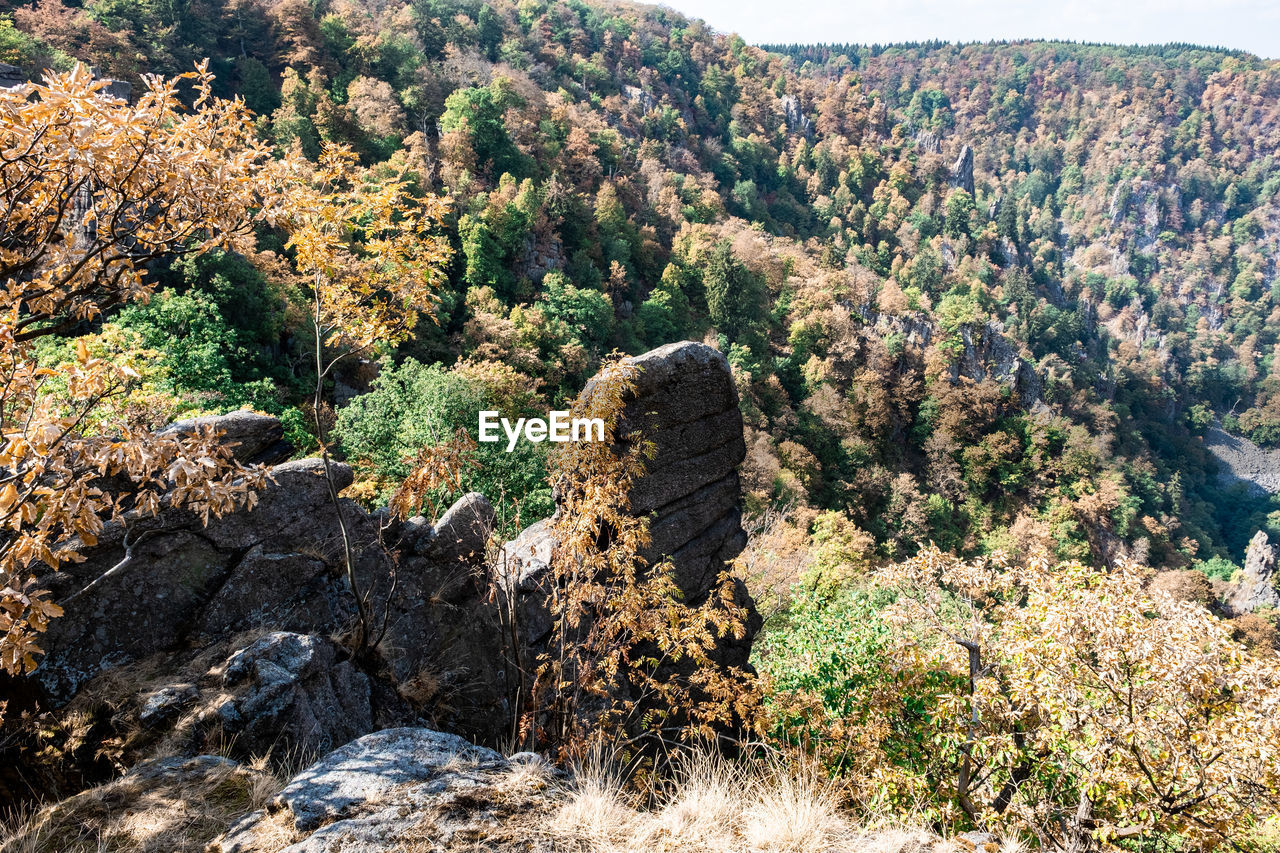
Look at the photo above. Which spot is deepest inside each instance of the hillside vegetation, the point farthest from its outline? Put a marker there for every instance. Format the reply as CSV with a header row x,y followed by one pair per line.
x,y
1025,356
982,304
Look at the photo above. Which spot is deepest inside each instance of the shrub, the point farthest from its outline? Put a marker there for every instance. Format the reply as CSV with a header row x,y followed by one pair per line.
x,y
413,405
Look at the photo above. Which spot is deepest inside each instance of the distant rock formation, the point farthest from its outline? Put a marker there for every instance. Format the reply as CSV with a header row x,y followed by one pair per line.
x,y
231,622
797,121
962,170
637,95
1256,587
989,355
928,141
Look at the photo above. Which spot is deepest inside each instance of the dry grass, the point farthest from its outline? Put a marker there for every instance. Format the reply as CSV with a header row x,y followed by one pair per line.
x,y
181,813
716,806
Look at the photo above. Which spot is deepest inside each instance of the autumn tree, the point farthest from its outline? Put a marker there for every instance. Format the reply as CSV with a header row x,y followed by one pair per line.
x,y
94,189
368,252
1093,711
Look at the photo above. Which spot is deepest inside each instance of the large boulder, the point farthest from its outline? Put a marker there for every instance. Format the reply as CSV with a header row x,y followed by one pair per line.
x,y
686,403
372,793
252,437
162,582
296,689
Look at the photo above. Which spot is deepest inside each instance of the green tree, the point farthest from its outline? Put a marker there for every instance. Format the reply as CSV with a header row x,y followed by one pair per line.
x,y
735,296
414,405
960,208
480,110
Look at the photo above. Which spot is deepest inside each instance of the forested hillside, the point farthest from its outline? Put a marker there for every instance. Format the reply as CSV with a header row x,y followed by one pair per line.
x,y
1017,347
989,310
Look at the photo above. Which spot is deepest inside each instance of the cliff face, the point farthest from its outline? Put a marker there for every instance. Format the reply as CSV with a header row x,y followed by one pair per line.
x,y
227,630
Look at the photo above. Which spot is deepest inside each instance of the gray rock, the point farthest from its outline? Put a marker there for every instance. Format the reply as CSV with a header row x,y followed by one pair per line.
x,y
685,401
253,437
1256,587
462,533
11,76
263,589
796,120
398,789
131,614
166,703
962,170
367,768
121,611
1241,461
636,95
119,89
295,689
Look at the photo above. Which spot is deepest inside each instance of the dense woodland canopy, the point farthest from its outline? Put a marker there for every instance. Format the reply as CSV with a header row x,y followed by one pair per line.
x,y
983,297
1028,358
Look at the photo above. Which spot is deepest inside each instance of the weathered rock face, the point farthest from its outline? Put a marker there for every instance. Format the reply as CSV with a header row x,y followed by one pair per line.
x,y
797,121
300,690
185,583
12,76
1256,587
962,170
989,355
256,439
686,403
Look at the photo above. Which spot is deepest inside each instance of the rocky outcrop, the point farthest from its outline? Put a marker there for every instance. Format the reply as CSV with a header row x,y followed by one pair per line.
x,y
1256,586
171,582
928,141
684,401
186,588
637,95
255,439
989,355
797,121
962,170
380,790
235,621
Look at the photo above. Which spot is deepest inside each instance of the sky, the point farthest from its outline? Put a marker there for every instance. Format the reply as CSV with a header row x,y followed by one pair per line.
x,y
1252,25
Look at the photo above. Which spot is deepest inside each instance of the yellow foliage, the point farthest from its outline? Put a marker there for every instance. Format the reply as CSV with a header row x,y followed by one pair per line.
x,y
94,189
1097,710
